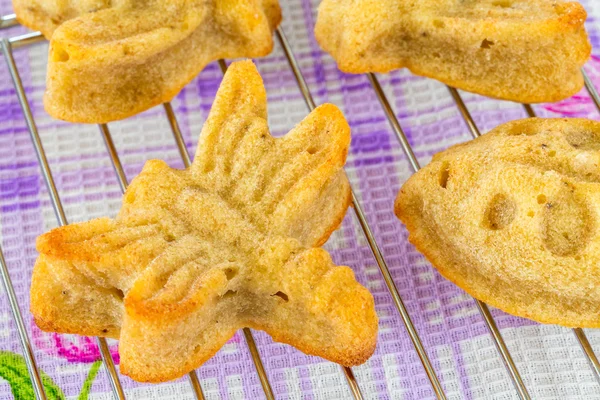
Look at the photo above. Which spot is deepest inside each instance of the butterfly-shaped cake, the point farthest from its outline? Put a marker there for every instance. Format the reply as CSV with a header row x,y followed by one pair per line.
x,y
513,218
231,242
109,60
522,50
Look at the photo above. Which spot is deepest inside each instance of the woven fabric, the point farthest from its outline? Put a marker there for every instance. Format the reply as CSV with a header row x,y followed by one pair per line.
x,y
450,326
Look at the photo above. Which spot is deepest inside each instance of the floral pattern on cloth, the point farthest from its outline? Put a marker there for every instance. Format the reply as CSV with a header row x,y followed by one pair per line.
x,y
13,369
73,348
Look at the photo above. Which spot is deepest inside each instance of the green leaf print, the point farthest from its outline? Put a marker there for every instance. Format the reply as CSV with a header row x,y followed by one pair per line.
x,y
87,385
14,370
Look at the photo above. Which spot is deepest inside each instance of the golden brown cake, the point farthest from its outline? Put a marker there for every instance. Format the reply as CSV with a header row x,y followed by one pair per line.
x,y
230,242
522,50
512,218
110,60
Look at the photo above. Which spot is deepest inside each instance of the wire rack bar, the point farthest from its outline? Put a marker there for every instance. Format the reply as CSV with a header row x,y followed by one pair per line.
x,y
509,363
579,333
26,39
588,350
7,21
360,214
591,88
54,197
464,112
482,307
529,110
352,383
123,183
310,103
196,387
260,369
185,156
34,374
32,369
391,117
114,157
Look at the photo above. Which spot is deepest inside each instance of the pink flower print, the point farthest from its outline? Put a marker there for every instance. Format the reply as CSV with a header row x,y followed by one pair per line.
x,y
73,348
580,105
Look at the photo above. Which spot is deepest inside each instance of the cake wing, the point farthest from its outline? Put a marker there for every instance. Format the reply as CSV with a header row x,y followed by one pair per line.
x,y
512,218
337,313
522,50
82,271
283,184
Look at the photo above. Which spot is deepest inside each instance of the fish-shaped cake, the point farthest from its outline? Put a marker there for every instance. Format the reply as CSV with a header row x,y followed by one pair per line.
x,y
513,217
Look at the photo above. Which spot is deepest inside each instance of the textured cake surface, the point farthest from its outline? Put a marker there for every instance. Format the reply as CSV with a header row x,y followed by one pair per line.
x,y
231,242
512,218
522,50
109,60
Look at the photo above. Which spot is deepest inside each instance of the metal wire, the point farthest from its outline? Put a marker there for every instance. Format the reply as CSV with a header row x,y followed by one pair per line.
x,y
589,352
196,387
185,156
260,369
579,333
529,110
26,39
391,117
483,309
32,369
589,85
114,157
503,350
6,21
54,197
464,111
34,374
123,183
362,219
352,383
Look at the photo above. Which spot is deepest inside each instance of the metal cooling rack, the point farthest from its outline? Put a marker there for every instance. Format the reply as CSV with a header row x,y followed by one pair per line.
x,y
8,44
